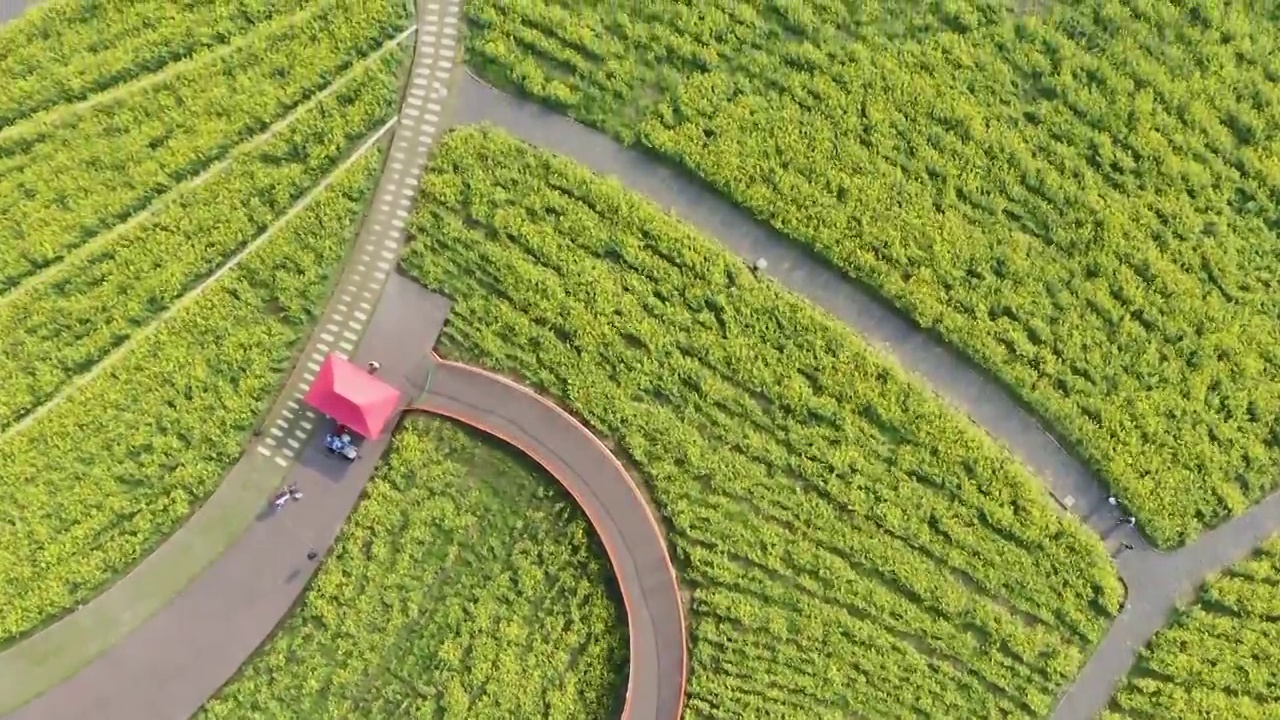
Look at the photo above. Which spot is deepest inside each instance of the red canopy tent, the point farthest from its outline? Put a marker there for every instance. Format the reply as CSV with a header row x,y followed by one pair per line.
x,y
352,396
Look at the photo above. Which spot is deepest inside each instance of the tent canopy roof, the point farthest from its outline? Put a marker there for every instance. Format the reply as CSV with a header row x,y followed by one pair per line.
x,y
353,397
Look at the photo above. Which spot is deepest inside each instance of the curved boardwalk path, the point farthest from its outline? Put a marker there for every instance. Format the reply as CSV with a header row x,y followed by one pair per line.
x,y
1155,580
632,537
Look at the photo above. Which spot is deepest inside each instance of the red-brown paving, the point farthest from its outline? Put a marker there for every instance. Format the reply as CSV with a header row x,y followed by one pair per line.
x,y
631,536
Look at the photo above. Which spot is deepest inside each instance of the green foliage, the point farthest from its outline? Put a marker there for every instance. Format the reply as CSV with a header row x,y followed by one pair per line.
x,y
84,308
94,483
1221,657
852,548
62,51
464,585
1086,201
64,181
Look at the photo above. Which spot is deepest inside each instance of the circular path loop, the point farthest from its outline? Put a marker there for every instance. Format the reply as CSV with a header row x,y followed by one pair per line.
x,y
632,537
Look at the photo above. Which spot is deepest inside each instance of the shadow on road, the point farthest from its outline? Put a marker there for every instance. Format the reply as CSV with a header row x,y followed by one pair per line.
x,y
331,467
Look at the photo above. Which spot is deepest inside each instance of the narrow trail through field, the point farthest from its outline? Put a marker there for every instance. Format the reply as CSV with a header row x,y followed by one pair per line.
x,y
1156,581
58,113
51,272
123,349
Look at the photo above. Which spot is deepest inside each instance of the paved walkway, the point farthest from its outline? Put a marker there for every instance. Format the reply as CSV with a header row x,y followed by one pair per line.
x,y
10,9
178,658
58,652
1156,581
633,539
184,652
945,371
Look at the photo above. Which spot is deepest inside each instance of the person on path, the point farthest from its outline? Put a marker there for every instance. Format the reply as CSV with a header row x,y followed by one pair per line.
x,y
1112,501
294,492
373,366
1130,521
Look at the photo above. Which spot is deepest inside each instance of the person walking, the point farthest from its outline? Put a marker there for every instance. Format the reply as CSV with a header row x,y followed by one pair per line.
x,y
294,493
373,366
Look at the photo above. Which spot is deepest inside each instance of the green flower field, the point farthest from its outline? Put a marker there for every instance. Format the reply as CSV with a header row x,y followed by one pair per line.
x,y
465,585
850,546
1221,657
1083,199
150,296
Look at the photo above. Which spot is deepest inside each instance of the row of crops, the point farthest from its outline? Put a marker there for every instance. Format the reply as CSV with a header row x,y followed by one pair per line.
x,y
463,585
1221,657
108,232
84,307
1084,200
851,547
61,52
97,481
71,177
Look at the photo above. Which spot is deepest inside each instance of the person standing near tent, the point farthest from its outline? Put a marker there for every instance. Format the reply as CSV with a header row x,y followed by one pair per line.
x,y
351,395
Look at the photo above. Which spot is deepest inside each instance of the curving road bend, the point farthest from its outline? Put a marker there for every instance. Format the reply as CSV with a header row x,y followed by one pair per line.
x,y
1156,580
632,537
